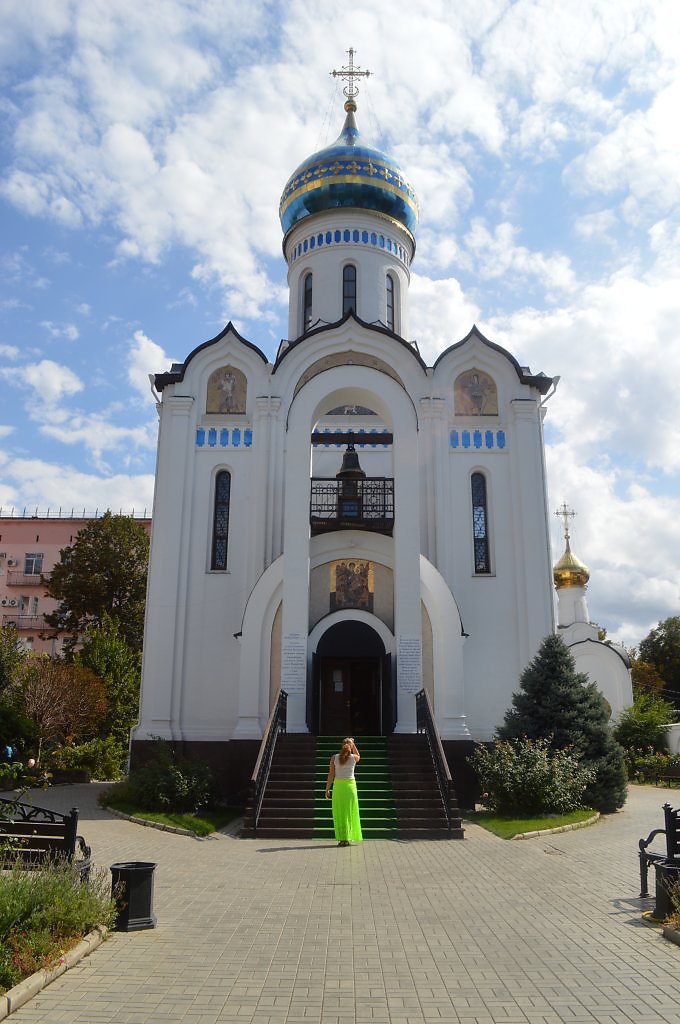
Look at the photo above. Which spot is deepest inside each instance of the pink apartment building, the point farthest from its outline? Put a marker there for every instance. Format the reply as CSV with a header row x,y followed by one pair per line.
x,y
29,548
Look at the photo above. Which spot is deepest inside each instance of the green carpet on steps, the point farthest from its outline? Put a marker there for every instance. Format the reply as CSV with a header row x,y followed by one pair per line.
x,y
374,786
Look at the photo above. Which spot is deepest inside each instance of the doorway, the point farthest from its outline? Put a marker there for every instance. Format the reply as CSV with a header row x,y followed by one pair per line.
x,y
352,689
349,698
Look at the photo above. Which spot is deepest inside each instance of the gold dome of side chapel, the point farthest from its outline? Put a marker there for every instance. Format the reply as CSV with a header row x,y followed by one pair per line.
x,y
570,571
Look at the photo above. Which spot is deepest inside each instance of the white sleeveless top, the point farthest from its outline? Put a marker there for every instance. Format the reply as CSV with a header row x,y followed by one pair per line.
x,y
346,770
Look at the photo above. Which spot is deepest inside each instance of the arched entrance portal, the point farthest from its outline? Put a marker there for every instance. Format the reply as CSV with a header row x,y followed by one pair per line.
x,y
352,690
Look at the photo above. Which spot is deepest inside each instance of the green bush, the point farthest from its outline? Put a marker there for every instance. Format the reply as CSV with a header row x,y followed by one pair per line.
x,y
44,910
103,759
645,764
523,777
170,782
642,724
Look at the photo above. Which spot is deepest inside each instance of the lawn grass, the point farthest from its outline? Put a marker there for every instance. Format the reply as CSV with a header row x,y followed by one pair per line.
x,y
507,828
202,823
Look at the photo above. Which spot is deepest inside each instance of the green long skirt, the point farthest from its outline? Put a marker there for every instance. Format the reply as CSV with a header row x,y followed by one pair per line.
x,y
346,820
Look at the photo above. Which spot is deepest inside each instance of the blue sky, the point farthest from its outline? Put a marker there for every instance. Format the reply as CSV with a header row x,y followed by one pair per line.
x,y
143,151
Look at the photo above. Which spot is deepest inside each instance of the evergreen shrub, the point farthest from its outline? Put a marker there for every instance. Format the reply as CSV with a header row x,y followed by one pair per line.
x,y
524,777
557,701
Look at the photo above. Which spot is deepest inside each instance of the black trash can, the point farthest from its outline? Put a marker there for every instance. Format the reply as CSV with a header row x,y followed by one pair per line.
x,y
132,889
667,876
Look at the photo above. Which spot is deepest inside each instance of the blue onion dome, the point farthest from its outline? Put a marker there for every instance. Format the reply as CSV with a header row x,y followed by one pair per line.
x,y
348,174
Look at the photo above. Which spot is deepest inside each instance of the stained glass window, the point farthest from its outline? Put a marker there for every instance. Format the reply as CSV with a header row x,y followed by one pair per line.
x,y
389,285
221,520
307,303
480,524
349,288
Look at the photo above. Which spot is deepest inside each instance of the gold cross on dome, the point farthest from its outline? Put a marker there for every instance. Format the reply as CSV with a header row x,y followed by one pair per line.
x,y
566,514
348,74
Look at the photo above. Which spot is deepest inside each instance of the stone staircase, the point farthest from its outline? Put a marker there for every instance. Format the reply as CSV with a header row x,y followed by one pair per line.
x,y
398,793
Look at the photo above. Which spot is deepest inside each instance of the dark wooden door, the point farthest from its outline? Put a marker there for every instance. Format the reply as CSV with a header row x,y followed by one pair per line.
x,y
350,697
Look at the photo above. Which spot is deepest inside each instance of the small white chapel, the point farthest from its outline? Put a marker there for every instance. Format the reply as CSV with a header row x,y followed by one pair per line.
x,y
347,523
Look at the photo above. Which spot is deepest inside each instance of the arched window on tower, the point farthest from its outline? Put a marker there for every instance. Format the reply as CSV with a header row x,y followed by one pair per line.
x,y
349,288
389,302
307,303
220,538
480,523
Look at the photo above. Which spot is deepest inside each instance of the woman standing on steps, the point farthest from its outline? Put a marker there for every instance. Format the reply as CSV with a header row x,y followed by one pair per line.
x,y
346,821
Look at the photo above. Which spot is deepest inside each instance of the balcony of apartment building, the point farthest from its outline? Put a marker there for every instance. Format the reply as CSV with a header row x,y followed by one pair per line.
x,y
351,500
19,578
22,621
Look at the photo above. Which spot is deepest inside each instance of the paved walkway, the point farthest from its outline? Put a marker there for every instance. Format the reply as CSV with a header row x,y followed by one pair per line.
x,y
295,932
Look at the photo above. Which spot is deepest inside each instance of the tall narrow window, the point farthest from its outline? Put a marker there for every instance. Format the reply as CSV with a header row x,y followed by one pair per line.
x,y
389,292
480,523
307,303
221,520
349,289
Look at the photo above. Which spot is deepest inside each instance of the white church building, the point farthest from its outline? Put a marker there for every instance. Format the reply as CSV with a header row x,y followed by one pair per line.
x,y
347,523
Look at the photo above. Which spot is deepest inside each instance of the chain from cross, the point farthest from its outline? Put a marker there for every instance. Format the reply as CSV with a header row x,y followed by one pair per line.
x,y
566,514
348,74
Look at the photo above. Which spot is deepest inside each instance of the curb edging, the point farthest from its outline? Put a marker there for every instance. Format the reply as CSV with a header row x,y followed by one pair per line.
x,y
559,828
29,987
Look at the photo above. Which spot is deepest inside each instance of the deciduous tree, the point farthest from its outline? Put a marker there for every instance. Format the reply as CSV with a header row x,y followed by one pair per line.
x,y
661,648
64,702
102,573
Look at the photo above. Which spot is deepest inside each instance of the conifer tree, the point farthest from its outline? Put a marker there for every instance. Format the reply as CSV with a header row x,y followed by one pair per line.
x,y
558,702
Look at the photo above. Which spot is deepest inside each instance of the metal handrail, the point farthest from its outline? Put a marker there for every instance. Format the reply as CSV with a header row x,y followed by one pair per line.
x,y
425,723
277,723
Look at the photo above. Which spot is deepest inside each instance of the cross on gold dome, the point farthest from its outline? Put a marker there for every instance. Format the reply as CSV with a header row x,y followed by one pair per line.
x,y
566,514
348,74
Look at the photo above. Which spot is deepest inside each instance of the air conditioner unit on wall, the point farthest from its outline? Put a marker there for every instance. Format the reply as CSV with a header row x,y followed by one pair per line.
x,y
3,554
4,601
11,561
13,603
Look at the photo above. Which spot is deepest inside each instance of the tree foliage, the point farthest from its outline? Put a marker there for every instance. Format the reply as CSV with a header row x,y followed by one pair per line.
x,y
102,573
64,702
642,724
661,648
558,702
15,727
106,653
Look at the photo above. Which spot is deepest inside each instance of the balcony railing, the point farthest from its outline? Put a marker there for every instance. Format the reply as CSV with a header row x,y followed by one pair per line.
x,y
17,578
19,621
363,504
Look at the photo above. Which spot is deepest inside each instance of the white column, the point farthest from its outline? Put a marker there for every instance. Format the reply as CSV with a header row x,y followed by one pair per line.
x,y
160,703
295,619
533,573
407,615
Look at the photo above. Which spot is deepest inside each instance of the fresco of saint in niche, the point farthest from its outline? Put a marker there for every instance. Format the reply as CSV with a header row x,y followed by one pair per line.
x,y
474,394
227,388
352,585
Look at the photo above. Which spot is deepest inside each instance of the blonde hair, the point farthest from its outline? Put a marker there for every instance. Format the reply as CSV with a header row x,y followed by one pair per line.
x,y
345,750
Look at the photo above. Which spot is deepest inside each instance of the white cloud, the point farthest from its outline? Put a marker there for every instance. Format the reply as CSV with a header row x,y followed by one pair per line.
x,y
49,381
145,357
34,483
69,331
9,351
440,315
497,255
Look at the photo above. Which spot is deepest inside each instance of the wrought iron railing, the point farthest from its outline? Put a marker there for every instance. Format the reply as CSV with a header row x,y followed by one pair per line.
x,y
258,781
425,723
363,504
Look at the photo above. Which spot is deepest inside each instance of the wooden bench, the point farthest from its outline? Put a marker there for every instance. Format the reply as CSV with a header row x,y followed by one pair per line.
x,y
36,835
672,854
671,773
